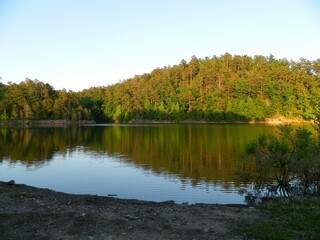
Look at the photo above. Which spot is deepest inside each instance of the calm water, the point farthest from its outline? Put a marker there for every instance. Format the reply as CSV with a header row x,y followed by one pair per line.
x,y
185,163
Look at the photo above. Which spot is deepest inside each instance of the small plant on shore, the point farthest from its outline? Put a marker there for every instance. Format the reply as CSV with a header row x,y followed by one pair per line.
x,y
289,218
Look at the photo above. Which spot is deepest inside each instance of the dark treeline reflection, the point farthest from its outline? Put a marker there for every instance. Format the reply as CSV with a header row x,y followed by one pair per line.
x,y
34,146
197,152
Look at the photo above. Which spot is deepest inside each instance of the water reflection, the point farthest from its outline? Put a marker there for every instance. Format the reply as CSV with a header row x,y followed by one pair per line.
x,y
196,156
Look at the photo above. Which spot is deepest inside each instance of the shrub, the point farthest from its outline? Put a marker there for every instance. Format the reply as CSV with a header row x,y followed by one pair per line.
x,y
285,165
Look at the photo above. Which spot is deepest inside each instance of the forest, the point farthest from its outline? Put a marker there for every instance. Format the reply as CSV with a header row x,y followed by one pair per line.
x,y
222,88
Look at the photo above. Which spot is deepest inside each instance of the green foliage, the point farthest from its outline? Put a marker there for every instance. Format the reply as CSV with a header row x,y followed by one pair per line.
x,y
291,218
118,116
288,164
225,88
4,117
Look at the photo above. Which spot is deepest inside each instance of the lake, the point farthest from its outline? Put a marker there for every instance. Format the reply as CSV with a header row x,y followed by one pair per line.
x,y
194,163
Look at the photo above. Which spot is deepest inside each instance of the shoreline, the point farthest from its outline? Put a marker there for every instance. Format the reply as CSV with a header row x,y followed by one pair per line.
x,y
29,212
12,183
269,122
43,123
65,123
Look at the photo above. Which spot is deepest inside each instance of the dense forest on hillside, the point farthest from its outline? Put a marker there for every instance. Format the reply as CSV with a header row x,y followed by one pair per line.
x,y
225,88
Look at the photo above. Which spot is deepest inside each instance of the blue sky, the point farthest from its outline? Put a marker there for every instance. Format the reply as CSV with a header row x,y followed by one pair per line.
x,y
76,44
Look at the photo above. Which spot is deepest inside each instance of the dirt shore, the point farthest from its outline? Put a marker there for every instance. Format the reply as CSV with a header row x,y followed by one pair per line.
x,y
32,213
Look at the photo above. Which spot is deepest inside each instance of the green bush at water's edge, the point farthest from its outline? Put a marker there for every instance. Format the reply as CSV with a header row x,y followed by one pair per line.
x,y
285,165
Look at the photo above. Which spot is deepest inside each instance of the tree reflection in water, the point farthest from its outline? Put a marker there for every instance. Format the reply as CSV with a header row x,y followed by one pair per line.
x,y
197,152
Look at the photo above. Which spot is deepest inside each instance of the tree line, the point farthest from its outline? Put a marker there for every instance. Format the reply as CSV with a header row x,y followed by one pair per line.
x,y
221,88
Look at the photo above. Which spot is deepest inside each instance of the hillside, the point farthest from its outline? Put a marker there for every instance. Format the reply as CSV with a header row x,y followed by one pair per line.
x,y
224,88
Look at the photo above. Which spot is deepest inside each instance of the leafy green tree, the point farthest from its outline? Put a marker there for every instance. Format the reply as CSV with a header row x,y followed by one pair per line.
x,y
119,114
4,116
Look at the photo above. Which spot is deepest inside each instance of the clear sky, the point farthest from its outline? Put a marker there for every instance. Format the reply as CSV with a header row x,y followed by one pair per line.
x,y
76,44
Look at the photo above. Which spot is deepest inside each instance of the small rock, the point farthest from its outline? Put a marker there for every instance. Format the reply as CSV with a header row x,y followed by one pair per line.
x,y
131,217
112,195
206,230
11,182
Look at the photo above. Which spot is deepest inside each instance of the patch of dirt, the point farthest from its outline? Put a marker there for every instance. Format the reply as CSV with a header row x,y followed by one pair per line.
x,y
32,213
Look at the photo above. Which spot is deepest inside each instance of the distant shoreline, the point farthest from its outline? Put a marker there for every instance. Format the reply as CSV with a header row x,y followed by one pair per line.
x,y
271,121
62,123
43,123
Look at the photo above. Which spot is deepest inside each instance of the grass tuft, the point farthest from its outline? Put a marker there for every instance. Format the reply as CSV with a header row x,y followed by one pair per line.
x,y
290,218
